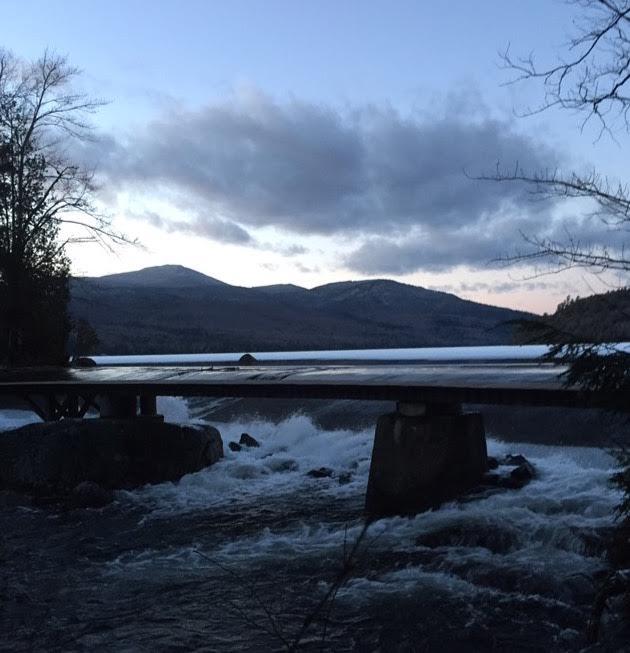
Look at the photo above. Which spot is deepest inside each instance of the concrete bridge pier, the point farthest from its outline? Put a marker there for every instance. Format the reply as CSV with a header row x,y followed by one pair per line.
x,y
117,405
126,406
423,455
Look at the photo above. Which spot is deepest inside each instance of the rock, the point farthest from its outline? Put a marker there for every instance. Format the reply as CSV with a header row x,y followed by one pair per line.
x,y
517,478
55,457
246,359
248,441
234,446
493,463
88,494
345,478
514,460
322,472
84,361
524,473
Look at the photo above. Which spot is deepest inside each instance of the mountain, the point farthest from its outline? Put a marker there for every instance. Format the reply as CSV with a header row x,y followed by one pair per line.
x,y
171,309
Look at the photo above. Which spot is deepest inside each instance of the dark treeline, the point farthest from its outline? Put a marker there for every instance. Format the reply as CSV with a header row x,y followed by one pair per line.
x,y
603,318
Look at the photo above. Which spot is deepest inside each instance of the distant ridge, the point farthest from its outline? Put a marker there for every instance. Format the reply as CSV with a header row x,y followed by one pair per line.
x,y
162,276
281,289
172,309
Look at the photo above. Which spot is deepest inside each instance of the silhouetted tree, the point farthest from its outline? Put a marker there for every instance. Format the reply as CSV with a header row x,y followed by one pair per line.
x,y
41,189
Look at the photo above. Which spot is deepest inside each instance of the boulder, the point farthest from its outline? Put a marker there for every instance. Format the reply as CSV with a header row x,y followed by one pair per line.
x,y
234,446
248,441
523,474
493,463
515,479
56,457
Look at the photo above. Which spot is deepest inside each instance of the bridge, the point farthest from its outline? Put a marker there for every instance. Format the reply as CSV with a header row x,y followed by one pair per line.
x,y
126,386
415,445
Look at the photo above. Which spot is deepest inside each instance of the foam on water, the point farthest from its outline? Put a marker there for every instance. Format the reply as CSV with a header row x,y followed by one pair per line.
x,y
277,468
541,527
174,409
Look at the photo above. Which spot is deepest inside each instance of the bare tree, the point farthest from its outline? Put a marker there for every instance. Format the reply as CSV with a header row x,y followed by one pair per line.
x,y
591,78
42,188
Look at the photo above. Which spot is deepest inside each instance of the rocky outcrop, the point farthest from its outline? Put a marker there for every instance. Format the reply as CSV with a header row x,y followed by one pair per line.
x,y
59,457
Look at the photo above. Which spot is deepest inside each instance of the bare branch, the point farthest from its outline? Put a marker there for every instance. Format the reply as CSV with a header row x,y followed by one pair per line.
x,y
594,78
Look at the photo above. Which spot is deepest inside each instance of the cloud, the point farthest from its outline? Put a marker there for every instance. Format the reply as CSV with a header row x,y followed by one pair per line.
x,y
300,267
497,286
206,226
217,229
438,248
503,286
487,242
282,249
394,185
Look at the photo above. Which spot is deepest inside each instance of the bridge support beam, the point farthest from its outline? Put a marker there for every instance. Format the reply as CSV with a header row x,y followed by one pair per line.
x,y
118,405
148,406
127,406
423,455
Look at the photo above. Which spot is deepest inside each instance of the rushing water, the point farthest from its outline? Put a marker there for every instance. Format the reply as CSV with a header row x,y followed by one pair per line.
x,y
237,556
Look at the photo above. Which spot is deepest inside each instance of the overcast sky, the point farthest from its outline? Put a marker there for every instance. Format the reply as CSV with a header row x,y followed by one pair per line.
x,y
307,142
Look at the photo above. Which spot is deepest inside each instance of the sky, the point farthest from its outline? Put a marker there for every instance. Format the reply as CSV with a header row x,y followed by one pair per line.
x,y
269,141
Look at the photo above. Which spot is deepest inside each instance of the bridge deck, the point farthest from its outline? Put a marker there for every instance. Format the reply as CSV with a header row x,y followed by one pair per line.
x,y
530,384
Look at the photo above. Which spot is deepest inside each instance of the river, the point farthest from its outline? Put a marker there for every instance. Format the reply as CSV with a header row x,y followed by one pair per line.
x,y
238,556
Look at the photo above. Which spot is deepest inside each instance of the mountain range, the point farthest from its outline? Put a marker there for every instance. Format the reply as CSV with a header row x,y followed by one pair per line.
x,y
172,309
